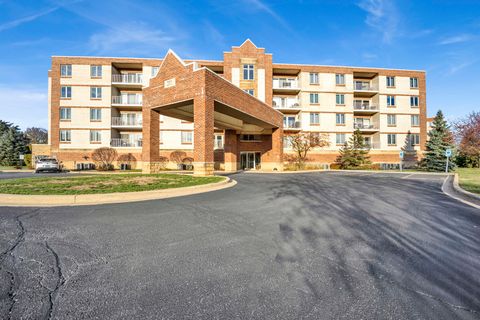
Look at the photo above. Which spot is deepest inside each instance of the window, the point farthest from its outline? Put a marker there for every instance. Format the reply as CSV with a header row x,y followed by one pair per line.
x,y
414,139
249,91
340,99
391,120
218,142
65,136
340,79
248,71
414,101
340,138
95,136
65,114
390,81
96,71
313,78
95,93
392,139
390,101
413,83
340,119
154,71
187,137
249,137
95,114
315,118
66,92
313,98
66,70
415,120
287,143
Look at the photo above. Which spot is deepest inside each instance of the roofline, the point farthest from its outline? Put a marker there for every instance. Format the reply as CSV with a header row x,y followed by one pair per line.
x,y
339,66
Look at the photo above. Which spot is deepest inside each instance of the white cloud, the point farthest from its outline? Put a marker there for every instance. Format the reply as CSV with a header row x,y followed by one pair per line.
x,y
382,16
20,21
262,6
457,39
134,38
25,107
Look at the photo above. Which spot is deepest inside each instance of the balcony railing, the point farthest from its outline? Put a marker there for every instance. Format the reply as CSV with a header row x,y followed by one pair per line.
x,y
292,125
127,121
285,84
127,78
293,104
365,107
128,100
363,86
125,143
363,126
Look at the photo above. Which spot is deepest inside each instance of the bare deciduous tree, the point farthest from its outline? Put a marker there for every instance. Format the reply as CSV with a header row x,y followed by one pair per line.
x,y
104,157
303,142
37,135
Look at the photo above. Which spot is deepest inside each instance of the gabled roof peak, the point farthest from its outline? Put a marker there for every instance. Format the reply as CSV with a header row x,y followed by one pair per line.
x,y
248,41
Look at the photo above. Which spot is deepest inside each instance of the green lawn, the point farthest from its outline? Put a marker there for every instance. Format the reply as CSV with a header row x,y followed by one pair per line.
x,y
108,183
469,179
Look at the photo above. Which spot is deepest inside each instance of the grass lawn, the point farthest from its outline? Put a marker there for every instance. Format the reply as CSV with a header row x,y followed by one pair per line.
x,y
469,179
108,183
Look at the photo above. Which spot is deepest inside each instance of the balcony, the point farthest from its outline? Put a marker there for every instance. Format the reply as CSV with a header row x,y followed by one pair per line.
x,y
364,89
365,109
128,80
130,100
285,85
287,105
366,127
125,143
292,126
127,122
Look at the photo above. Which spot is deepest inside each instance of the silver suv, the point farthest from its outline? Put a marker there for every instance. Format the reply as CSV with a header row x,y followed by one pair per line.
x,y
47,164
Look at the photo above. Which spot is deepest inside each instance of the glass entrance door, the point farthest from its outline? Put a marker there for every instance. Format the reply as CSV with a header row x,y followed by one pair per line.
x,y
250,160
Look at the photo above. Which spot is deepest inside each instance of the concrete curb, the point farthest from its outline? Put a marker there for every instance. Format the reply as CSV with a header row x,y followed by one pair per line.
x,y
353,171
451,188
17,170
20,200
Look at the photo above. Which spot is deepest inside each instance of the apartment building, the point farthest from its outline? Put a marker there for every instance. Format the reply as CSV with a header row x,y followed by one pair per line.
x,y
230,114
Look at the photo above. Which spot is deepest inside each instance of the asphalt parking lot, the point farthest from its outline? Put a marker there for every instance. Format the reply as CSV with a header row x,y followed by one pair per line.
x,y
326,245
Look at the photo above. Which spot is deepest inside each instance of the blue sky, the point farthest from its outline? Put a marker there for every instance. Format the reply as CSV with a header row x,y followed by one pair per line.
x,y
441,37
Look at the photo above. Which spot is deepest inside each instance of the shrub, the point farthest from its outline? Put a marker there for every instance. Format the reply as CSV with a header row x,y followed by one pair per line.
x,y
104,157
28,160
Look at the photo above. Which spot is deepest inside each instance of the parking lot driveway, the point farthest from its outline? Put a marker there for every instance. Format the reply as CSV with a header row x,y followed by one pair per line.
x,y
276,246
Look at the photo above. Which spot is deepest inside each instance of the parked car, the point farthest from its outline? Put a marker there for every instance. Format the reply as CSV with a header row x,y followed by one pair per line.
x,y
47,164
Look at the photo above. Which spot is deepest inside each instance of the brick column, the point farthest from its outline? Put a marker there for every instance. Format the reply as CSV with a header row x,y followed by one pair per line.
x,y
277,149
230,147
150,141
203,109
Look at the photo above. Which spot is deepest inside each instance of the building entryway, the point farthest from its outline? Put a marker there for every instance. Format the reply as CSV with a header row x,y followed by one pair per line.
x,y
250,160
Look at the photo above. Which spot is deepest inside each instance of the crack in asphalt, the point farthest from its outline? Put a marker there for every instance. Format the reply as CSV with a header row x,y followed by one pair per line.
x,y
52,295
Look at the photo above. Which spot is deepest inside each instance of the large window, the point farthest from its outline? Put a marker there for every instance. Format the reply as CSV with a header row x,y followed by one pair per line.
x,y
66,70
313,78
96,92
392,139
415,120
390,101
340,119
391,120
340,138
95,136
248,71
187,137
414,101
340,99
250,91
414,139
65,136
66,92
65,114
340,79
390,81
414,83
313,98
314,118
95,114
96,71
154,71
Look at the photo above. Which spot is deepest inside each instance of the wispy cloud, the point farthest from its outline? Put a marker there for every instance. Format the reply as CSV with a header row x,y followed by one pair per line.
x,y
262,6
382,16
213,34
20,21
457,39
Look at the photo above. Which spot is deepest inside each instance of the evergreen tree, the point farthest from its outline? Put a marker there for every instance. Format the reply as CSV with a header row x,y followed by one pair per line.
x,y
12,143
440,138
354,154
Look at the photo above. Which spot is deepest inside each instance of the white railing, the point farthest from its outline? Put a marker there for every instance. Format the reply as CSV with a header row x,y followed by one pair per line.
x,y
292,125
125,143
365,126
363,86
288,104
285,84
127,121
128,100
364,107
127,78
